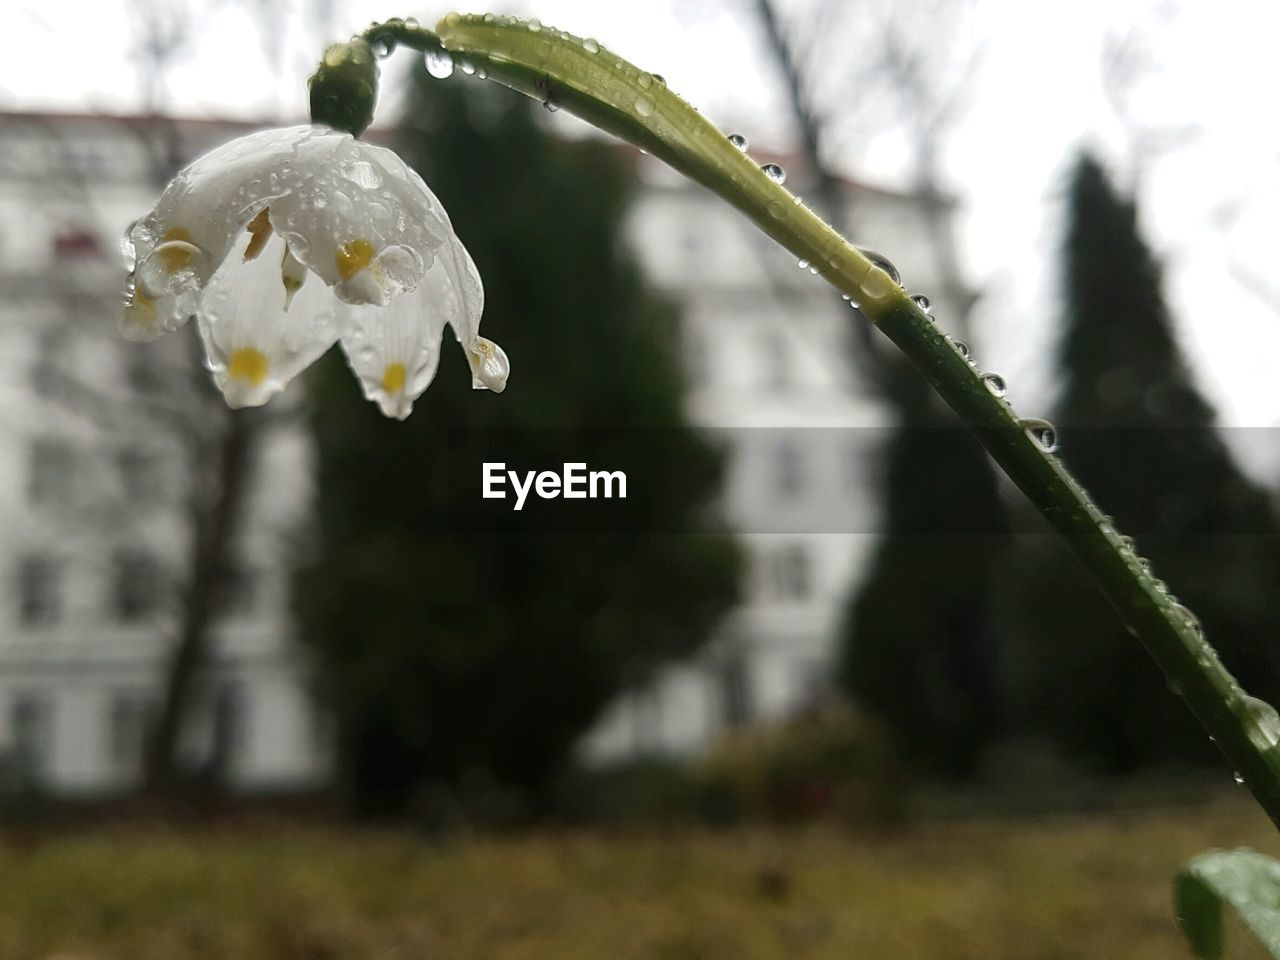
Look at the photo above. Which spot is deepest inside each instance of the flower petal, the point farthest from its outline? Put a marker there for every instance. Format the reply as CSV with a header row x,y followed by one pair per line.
x,y
203,209
263,321
394,350
489,364
366,223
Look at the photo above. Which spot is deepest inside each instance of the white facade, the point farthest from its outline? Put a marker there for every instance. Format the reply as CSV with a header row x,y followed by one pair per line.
x,y
93,478
96,440
770,350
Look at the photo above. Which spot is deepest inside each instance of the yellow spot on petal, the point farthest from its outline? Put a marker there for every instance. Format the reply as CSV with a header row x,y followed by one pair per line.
x,y
176,258
139,314
353,257
259,233
394,377
248,364
179,256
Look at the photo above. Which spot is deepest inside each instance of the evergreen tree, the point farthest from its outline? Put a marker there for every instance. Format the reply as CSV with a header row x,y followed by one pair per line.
x,y
453,643
1141,439
918,647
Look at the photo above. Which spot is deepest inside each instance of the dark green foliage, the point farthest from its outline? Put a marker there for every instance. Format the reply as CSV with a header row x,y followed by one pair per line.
x,y
1141,439
918,649
461,650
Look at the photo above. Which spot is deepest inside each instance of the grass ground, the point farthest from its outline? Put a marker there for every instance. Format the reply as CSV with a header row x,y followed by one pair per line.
x,y
1030,889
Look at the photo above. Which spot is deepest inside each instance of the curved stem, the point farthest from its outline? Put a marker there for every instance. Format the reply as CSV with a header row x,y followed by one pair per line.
x,y
619,98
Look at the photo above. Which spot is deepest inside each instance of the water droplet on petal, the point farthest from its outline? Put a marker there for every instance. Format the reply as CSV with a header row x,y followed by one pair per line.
x,y
1042,432
774,172
382,47
921,301
439,63
411,23
128,252
468,68
962,348
590,46
363,174
995,383
534,25
738,140
644,106
1238,777
645,80
802,264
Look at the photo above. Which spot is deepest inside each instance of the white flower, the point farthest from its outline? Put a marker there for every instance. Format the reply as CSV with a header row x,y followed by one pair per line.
x,y
282,242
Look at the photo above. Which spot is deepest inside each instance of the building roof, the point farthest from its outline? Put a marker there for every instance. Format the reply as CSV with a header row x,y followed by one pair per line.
x,y
193,131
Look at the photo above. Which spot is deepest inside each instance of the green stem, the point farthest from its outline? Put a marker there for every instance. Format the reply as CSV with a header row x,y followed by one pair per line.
x,y
619,98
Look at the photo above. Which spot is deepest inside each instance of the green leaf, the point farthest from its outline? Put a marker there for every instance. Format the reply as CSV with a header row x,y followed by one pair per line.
x,y
1246,881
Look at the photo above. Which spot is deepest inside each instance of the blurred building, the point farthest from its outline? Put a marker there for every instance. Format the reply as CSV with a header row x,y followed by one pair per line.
x,y
99,455
100,446
770,350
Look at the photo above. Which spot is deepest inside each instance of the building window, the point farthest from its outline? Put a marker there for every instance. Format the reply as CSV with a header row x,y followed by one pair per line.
x,y
51,471
130,716
735,691
228,729
788,470
139,473
137,585
861,458
695,354
142,369
76,242
786,574
39,590
46,374
775,359
30,739
810,681
691,243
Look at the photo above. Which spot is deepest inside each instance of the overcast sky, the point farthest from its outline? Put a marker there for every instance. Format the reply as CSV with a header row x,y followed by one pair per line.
x,y
1035,97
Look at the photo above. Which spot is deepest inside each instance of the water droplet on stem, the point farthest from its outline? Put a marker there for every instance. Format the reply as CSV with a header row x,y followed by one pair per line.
x,y
995,383
1262,723
1042,432
883,262
439,63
